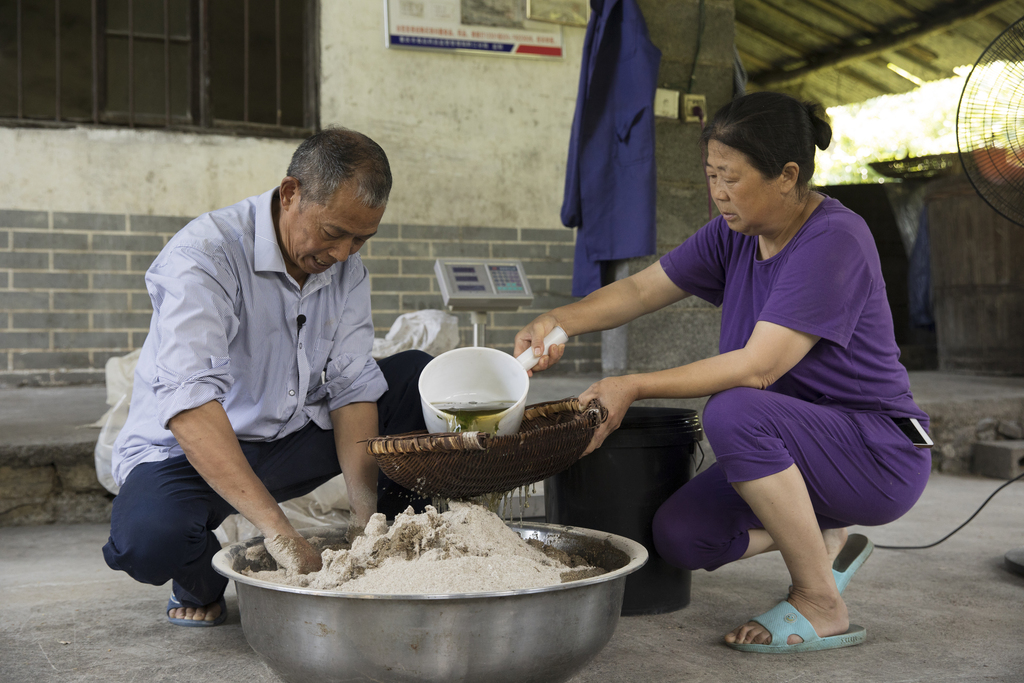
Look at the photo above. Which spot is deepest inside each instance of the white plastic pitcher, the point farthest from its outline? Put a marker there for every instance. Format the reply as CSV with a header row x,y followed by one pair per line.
x,y
476,376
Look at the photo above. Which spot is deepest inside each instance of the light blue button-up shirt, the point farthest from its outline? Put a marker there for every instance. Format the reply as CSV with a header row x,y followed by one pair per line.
x,y
225,328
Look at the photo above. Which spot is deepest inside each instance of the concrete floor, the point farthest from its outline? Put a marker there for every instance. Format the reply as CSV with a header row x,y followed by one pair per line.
x,y
952,613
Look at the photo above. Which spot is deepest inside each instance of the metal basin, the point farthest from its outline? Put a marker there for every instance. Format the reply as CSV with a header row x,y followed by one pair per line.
x,y
525,636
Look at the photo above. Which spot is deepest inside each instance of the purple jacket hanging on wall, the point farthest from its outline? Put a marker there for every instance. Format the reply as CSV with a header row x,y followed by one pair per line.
x,y
610,183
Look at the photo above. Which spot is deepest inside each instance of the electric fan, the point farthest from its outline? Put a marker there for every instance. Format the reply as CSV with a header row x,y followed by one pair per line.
x,y
990,124
990,139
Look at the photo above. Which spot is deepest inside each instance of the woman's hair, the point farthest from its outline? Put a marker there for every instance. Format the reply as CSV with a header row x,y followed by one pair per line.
x,y
334,156
771,129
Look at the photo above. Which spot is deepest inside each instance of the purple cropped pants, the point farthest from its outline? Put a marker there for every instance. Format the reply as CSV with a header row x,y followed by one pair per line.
x,y
859,469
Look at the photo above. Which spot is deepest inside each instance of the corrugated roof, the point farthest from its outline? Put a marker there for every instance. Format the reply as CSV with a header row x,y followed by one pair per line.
x,y
839,51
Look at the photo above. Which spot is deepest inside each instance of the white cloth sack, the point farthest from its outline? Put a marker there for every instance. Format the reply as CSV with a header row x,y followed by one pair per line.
x,y
120,374
326,505
430,330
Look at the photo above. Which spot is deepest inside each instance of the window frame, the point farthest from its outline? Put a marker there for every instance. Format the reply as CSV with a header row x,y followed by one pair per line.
x,y
199,88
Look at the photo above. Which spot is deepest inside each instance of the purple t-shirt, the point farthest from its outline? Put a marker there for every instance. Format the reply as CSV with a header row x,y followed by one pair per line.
x,y
827,281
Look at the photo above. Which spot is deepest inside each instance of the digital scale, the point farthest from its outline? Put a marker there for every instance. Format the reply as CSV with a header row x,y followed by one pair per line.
x,y
480,286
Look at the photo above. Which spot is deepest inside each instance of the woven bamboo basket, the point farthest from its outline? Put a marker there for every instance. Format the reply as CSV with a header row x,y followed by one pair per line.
x,y
552,437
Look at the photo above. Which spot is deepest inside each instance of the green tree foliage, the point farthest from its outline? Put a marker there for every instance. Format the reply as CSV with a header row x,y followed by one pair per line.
x,y
912,124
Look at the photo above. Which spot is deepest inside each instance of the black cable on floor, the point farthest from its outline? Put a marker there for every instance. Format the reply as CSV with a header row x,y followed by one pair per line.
x,y
932,545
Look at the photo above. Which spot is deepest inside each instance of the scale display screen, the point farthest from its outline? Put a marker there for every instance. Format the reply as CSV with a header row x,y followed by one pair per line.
x,y
482,285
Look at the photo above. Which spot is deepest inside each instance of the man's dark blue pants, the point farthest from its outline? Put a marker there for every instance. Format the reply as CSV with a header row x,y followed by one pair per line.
x,y
161,528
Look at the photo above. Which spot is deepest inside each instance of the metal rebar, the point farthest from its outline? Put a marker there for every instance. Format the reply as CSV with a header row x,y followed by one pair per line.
x,y
245,59
95,66
131,65
142,35
167,63
56,58
21,78
201,88
277,57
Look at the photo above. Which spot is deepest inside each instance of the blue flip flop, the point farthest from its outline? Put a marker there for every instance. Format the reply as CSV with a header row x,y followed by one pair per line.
x,y
783,621
857,549
174,603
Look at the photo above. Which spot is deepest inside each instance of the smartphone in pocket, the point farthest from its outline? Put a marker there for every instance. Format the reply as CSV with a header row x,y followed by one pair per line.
x,y
915,432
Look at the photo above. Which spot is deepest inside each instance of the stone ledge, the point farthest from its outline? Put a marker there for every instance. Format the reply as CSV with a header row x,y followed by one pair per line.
x,y
999,459
47,466
43,454
953,427
46,485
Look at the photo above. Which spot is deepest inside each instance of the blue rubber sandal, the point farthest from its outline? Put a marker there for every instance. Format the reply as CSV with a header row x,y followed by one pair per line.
x,y
857,549
783,621
174,603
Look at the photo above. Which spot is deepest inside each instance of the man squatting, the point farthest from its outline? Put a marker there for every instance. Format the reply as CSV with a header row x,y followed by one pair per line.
x,y
255,383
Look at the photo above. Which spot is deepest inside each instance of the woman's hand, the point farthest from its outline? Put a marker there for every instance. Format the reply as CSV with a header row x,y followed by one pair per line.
x,y
616,394
533,336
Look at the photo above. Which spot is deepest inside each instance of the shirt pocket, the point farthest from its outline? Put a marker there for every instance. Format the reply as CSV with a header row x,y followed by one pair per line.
x,y
634,132
318,361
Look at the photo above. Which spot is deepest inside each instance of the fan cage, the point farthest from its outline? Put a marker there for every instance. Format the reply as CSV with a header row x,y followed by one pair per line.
x,y
990,124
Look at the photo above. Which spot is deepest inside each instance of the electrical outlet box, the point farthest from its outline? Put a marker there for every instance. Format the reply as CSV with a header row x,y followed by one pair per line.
x,y
691,102
666,103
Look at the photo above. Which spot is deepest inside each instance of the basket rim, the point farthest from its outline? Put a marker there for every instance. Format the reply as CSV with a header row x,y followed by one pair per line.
x,y
482,441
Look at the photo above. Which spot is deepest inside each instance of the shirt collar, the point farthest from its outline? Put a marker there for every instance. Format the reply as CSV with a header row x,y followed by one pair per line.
x,y
267,251
268,256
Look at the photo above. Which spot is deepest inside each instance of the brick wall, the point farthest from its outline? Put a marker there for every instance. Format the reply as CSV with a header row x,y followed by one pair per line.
x,y
72,293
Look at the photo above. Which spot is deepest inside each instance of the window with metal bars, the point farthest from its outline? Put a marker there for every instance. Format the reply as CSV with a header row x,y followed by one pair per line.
x,y
243,66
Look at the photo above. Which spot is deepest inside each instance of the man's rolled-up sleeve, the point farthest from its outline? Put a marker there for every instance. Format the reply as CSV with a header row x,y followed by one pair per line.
x,y
356,379
194,321
352,374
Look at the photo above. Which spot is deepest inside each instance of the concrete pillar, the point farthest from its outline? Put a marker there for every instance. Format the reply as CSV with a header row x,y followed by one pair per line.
x,y
686,331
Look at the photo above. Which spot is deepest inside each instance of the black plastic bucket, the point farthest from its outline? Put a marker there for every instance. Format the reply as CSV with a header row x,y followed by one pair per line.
x,y
620,486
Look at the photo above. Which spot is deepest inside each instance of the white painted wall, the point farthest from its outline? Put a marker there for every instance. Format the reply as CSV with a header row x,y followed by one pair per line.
x,y
473,140
125,171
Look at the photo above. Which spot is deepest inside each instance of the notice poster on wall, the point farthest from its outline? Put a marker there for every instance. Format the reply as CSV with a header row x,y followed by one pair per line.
x,y
497,27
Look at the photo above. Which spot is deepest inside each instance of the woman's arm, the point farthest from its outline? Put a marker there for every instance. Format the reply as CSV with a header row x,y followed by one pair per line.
x,y
771,352
609,307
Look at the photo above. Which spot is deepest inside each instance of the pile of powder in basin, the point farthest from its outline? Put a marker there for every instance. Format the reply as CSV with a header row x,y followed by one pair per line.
x,y
464,550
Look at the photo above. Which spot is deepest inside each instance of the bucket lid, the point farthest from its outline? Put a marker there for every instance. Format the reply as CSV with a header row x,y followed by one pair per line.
x,y
682,420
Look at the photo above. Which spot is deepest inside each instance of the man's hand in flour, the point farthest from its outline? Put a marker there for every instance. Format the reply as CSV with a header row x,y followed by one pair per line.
x,y
294,554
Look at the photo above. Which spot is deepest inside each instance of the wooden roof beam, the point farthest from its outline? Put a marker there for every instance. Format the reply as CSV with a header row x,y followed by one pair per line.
x,y
850,18
750,61
864,80
787,16
767,32
953,15
922,70
745,32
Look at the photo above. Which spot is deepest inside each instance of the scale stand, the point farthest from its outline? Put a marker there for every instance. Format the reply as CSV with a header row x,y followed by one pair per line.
x,y
479,320
480,286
